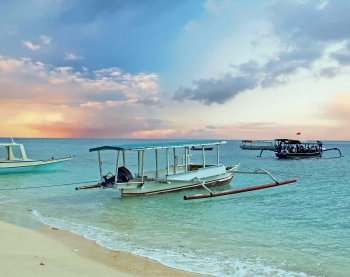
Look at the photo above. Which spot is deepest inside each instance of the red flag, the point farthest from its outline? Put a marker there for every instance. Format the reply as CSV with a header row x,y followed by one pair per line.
x,y
298,133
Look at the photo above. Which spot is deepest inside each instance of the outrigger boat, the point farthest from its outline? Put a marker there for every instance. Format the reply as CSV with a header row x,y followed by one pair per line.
x,y
16,160
177,175
297,149
258,145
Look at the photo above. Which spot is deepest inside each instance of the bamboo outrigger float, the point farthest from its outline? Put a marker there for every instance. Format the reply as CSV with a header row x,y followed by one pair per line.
x,y
239,190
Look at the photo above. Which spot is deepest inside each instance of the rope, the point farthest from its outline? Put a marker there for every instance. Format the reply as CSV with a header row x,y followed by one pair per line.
x,y
48,186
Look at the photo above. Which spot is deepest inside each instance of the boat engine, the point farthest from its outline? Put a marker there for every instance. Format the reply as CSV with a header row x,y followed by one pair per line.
x,y
124,175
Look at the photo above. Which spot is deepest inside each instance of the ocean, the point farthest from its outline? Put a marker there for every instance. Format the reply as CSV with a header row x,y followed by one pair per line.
x,y
301,229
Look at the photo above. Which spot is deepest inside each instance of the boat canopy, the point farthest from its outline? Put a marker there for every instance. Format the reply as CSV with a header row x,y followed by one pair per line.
x,y
294,141
9,150
144,146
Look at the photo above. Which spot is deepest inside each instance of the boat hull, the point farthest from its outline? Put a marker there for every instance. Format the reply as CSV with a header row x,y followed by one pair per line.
x,y
157,187
298,155
247,147
31,166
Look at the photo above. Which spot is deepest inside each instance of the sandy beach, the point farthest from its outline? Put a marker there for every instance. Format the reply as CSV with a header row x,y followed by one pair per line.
x,y
51,252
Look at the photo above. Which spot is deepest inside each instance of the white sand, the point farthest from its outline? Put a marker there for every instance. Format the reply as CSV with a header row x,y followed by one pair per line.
x,y
50,252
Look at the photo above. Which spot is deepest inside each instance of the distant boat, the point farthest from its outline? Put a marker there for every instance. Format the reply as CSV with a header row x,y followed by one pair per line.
x,y
202,148
297,149
258,145
13,159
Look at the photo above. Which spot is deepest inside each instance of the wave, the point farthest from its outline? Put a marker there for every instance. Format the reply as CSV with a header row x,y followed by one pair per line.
x,y
221,265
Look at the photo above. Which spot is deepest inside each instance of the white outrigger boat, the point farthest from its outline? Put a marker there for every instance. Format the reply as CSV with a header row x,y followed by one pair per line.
x,y
16,160
175,176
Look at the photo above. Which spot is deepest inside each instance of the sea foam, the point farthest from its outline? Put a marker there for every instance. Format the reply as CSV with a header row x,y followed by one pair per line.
x,y
193,261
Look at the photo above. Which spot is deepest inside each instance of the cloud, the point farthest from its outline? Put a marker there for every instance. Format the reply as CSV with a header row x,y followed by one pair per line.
x,y
44,100
30,45
45,39
216,6
71,57
342,56
107,84
216,91
140,128
303,20
10,65
304,31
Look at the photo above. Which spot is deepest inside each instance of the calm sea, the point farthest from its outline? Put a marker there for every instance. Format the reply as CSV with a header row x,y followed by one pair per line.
x,y
302,229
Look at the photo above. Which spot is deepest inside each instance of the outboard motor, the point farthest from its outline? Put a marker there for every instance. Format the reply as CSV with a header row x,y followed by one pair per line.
x,y
124,175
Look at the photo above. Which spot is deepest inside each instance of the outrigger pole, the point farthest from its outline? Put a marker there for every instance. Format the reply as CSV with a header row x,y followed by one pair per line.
x,y
234,191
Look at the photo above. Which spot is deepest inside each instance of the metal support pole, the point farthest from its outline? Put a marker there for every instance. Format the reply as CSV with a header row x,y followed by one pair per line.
x,y
156,152
167,161
124,161
138,163
174,151
116,168
143,164
100,164
217,154
203,155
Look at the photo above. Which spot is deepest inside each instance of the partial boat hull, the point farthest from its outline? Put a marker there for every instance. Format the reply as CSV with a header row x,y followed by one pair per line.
x,y
31,166
248,147
156,187
298,155
257,145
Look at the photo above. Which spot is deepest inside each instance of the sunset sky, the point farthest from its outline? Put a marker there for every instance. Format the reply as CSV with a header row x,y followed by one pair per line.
x,y
223,69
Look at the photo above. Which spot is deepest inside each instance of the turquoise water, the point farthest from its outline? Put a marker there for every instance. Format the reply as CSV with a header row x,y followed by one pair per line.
x,y
302,229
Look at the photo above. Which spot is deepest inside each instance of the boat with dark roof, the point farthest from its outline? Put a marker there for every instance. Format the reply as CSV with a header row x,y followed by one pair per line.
x,y
176,173
298,149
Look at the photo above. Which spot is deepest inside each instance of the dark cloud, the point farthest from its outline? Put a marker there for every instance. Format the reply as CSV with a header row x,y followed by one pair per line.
x,y
216,91
329,72
149,101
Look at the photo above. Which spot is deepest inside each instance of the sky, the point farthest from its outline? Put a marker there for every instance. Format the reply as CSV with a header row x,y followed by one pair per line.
x,y
220,69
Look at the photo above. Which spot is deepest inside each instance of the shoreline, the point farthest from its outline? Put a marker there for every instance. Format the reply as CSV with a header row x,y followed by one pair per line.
x,y
48,251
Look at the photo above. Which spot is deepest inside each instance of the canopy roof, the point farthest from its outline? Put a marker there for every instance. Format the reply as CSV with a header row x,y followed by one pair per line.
x,y
170,144
294,141
10,144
